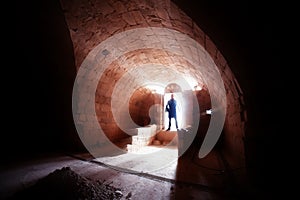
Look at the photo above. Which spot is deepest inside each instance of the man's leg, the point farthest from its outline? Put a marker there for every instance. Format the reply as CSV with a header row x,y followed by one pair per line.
x,y
176,122
169,124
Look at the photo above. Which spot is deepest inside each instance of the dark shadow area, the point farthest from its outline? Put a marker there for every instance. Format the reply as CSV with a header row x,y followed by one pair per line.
x,y
250,37
42,77
211,174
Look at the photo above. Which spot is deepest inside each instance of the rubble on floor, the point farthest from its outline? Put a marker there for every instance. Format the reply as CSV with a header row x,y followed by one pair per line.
x,y
64,183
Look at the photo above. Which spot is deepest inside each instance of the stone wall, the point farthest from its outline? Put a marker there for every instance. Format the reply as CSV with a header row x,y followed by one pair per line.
x,y
92,22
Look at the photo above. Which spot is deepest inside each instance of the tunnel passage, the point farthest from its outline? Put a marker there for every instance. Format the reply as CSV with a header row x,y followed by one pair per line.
x,y
145,70
169,41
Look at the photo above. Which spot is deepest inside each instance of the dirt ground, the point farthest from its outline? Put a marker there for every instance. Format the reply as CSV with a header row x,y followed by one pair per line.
x,y
66,184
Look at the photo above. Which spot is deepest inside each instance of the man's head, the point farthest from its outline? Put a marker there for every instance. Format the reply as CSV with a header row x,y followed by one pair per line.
x,y
172,96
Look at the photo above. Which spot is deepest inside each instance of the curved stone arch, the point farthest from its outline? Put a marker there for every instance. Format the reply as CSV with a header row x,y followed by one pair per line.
x,y
89,29
172,87
145,69
96,62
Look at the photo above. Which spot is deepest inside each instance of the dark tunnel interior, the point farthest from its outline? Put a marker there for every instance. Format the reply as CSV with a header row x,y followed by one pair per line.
x,y
42,60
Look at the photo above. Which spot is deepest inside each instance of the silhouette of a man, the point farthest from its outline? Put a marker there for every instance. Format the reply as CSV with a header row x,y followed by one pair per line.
x,y
171,109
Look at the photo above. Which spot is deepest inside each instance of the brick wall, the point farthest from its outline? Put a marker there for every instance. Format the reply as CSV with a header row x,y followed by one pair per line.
x,y
93,22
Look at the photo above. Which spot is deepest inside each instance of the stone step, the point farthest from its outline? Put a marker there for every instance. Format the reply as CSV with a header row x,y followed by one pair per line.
x,y
141,140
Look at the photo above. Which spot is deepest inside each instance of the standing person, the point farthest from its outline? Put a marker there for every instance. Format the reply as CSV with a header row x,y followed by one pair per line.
x,y
171,108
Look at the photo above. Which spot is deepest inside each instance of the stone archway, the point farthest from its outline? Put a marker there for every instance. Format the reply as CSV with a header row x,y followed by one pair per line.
x,y
91,25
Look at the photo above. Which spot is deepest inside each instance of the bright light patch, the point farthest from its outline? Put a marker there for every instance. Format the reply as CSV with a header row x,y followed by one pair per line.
x,y
197,88
208,112
155,88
